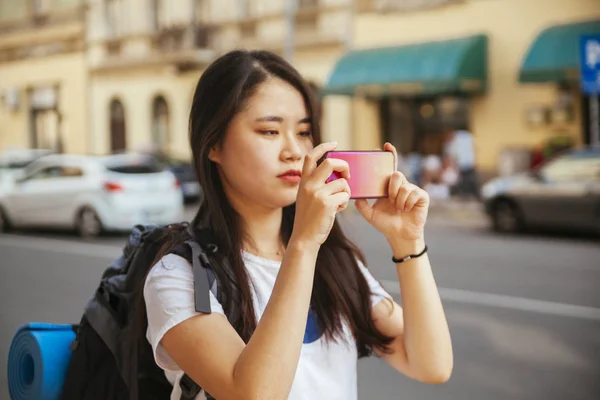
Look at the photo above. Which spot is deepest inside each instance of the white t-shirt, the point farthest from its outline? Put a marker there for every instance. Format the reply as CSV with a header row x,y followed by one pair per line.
x,y
432,163
325,370
462,149
450,176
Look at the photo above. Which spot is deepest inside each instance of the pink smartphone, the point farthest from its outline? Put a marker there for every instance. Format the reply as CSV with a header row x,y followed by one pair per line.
x,y
370,172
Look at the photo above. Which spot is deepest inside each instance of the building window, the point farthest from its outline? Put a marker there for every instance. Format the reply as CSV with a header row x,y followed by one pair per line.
x,y
45,129
117,127
45,119
160,124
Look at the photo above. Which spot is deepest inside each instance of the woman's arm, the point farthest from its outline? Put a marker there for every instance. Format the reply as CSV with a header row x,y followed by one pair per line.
x,y
422,349
211,352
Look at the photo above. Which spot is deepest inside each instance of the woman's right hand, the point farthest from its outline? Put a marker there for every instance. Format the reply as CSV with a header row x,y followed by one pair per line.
x,y
318,202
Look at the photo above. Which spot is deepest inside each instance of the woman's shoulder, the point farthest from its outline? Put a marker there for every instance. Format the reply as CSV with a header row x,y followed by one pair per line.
x,y
170,266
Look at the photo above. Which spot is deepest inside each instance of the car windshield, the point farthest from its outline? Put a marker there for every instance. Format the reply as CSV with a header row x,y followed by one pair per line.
x,y
575,166
14,164
22,158
17,163
133,165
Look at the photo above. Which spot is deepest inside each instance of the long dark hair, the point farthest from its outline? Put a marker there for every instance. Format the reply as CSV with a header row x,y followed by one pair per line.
x,y
340,294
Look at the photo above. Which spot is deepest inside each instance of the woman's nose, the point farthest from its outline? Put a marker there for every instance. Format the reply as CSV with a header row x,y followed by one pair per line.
x,y
291,149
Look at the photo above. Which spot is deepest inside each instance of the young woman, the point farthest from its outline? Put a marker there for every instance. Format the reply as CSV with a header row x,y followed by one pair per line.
x,y
310,308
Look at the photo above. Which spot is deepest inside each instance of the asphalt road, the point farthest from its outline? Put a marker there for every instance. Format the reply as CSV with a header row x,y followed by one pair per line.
x,y
524,311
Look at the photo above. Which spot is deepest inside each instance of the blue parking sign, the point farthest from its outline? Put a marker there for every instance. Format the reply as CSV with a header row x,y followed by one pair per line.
x,y
590,64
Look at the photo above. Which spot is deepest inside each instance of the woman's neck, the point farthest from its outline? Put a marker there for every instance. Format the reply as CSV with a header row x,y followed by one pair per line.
x,y
261,230
262,234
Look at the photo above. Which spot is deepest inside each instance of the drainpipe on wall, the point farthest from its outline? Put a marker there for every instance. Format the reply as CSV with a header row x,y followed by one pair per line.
x,y
349,44
90,105
88,13
59,146
193,28
290,38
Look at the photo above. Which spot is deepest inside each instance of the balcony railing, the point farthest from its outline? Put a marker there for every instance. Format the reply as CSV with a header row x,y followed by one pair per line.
x,y
402,5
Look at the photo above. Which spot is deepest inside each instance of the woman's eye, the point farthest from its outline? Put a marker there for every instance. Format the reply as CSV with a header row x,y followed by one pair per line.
x,y
268,132
306,133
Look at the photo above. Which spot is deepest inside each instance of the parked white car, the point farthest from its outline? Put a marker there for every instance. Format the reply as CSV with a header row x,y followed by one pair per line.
x,y
92,194
14,161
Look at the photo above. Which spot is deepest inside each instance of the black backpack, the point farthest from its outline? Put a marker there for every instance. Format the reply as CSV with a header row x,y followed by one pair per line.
x,y
111,359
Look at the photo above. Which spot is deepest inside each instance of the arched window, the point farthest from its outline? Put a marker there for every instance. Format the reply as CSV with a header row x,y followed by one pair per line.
x,y
117,126
160,124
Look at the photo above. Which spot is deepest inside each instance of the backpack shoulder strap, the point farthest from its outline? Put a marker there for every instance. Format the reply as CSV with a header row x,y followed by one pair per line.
x,y
204,277
189,388
204,282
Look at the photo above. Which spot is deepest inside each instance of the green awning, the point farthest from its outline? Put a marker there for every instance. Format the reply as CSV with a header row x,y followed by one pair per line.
x,y
451,66
554,54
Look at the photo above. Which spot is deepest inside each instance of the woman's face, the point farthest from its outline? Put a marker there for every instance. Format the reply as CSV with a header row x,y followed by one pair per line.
x,y
260,159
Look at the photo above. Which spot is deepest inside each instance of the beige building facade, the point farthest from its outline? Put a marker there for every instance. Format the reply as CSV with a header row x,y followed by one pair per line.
x,y
515,108
145,58
43,80
120,74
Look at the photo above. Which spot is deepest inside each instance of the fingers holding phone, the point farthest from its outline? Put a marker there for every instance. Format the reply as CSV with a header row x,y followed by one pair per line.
x,y
318,200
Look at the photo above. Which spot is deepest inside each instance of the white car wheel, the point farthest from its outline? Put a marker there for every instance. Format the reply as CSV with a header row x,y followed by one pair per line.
x,y
88,223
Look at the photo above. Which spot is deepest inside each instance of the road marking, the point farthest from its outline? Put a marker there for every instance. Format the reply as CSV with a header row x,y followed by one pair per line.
x,y
61,246
109,252
509,302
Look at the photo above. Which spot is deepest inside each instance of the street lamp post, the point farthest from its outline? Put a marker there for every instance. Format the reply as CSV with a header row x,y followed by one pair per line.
x,y
290,38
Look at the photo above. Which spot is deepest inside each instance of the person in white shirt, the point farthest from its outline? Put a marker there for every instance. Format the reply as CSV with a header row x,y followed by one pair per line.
x,y
460,147
310,307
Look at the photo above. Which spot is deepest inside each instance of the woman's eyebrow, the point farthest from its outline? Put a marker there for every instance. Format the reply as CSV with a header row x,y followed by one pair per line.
x,y
269,118
273,118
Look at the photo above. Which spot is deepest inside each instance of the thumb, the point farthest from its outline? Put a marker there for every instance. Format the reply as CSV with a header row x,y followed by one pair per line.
x,y
366,209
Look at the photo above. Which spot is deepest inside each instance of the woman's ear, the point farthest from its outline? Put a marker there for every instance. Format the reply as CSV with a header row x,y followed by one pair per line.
x,y
214,154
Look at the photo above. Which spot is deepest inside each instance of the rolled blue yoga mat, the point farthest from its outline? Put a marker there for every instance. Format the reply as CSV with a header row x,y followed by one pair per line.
x,y
38,360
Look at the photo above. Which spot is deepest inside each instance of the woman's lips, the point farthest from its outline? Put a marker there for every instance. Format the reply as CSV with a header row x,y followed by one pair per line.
x,y
292,176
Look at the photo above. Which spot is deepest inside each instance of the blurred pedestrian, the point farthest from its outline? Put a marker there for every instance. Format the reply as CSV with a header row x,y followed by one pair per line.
x,y
432,167
413,163
443,179
460,147
310,307
449,175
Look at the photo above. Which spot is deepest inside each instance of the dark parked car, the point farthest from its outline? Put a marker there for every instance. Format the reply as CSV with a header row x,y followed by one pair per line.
x,y
185,173
562,193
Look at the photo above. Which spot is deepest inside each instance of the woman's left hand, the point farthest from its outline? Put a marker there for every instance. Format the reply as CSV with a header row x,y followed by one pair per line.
x,y
402,215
